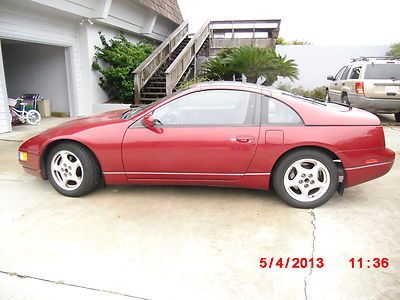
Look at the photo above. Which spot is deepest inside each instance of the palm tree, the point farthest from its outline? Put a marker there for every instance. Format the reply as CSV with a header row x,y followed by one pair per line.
x,y
216,68
254,62
283,67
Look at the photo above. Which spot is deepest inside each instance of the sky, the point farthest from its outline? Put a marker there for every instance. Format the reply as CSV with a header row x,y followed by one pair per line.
x,y
336,22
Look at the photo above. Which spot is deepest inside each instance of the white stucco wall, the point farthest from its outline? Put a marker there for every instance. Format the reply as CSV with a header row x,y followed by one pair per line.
x,y
35,68
315,63
89,38
5,124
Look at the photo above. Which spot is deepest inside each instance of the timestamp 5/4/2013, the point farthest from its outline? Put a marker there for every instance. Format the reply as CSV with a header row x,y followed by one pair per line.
x,y
291,262
369,263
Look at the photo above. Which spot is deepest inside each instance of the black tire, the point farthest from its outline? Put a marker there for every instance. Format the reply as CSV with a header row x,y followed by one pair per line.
x,y
90,175
345,99
397,116
278,177
327,98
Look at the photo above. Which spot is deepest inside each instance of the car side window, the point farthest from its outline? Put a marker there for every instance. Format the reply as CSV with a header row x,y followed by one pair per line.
x,y
211,107
276,112
355,73
345,73
339,74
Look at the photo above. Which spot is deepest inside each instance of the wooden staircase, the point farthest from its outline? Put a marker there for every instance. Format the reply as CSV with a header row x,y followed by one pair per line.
x,y
155,88
175,60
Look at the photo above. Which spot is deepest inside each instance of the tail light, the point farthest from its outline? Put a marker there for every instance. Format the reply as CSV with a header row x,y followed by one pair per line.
x,y
360,87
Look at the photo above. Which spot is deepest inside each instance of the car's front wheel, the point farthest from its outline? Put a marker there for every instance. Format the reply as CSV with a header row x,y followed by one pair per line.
x,y
306,178
72,169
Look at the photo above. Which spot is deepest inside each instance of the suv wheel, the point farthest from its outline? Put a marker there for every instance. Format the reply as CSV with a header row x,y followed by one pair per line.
x,y
397,116
345,99
327,99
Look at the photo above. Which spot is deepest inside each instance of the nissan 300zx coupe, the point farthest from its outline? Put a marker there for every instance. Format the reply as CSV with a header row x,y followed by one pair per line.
x,y
217,134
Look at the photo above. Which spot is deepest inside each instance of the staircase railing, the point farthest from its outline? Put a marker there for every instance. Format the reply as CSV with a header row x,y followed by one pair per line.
x,y
149,66
176,70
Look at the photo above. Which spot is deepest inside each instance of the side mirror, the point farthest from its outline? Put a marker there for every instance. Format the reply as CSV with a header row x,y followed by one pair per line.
x,y
331,77
148,121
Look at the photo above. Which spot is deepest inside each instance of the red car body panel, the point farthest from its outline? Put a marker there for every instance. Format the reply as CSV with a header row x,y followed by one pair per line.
x,y
241,156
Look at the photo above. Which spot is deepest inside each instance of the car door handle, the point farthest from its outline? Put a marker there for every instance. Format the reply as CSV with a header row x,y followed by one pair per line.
x,y
335,83
343,83
245,139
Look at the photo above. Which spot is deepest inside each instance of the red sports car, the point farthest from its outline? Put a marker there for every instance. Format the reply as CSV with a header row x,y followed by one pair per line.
x,y
217,134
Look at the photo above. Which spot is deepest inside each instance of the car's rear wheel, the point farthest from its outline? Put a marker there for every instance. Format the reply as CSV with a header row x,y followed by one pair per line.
x,y
397,116
72,169
305,178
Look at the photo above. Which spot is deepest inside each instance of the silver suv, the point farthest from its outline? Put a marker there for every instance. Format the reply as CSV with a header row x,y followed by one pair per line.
x,y
370,83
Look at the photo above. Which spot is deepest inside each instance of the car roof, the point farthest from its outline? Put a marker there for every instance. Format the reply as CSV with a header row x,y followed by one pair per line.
x,y
238,84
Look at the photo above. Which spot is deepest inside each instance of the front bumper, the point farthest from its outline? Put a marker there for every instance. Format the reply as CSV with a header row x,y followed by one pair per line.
x,y
387,106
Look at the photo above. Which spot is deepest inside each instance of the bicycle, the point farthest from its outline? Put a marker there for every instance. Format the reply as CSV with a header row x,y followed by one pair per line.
x,y
32,117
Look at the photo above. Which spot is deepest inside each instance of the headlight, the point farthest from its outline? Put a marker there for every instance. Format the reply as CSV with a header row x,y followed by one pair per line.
x,y
22,156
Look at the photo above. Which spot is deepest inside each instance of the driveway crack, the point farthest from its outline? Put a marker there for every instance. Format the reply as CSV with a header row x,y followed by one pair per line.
x,y
309,273
22,276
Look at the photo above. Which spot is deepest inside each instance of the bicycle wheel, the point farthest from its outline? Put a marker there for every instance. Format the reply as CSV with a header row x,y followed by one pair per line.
x,y
33,117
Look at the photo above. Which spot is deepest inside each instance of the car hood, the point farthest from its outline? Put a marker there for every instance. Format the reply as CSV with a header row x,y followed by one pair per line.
x,y
84,123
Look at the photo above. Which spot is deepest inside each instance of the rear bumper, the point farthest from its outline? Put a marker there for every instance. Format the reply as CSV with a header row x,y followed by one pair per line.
x,y
366,172
375,105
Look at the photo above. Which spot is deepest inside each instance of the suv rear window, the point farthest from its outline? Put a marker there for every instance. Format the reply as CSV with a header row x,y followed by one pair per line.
x,y
382,71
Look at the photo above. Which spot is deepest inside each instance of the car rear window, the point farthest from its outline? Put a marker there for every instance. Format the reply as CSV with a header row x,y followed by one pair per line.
x,y
382,71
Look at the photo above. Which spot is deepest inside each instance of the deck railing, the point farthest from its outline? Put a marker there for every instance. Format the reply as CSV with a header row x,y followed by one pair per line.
x,y
176,70
236,33
147,68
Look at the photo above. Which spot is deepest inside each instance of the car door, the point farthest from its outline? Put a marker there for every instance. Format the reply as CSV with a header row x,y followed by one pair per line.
x,y
344,83
210,134
335,87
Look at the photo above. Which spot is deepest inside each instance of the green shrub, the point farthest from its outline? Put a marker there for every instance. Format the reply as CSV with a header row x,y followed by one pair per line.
x,y
394,50
191,82
318,93
116,60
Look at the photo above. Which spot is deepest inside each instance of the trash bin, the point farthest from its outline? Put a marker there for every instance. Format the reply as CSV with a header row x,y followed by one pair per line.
x,y
44,107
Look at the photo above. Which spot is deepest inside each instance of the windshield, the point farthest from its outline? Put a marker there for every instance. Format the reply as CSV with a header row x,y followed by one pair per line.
x,y
382,71
135,110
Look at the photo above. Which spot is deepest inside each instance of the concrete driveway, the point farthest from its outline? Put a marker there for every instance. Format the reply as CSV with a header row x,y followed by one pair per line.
x,y
193,242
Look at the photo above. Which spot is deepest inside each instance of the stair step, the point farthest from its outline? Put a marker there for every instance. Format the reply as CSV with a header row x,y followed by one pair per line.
x,y
149,100
154,87
152,94
152,83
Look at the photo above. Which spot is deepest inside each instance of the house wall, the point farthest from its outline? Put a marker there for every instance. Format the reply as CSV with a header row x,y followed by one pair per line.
x,y
88,39
5,122
35,68
315,63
